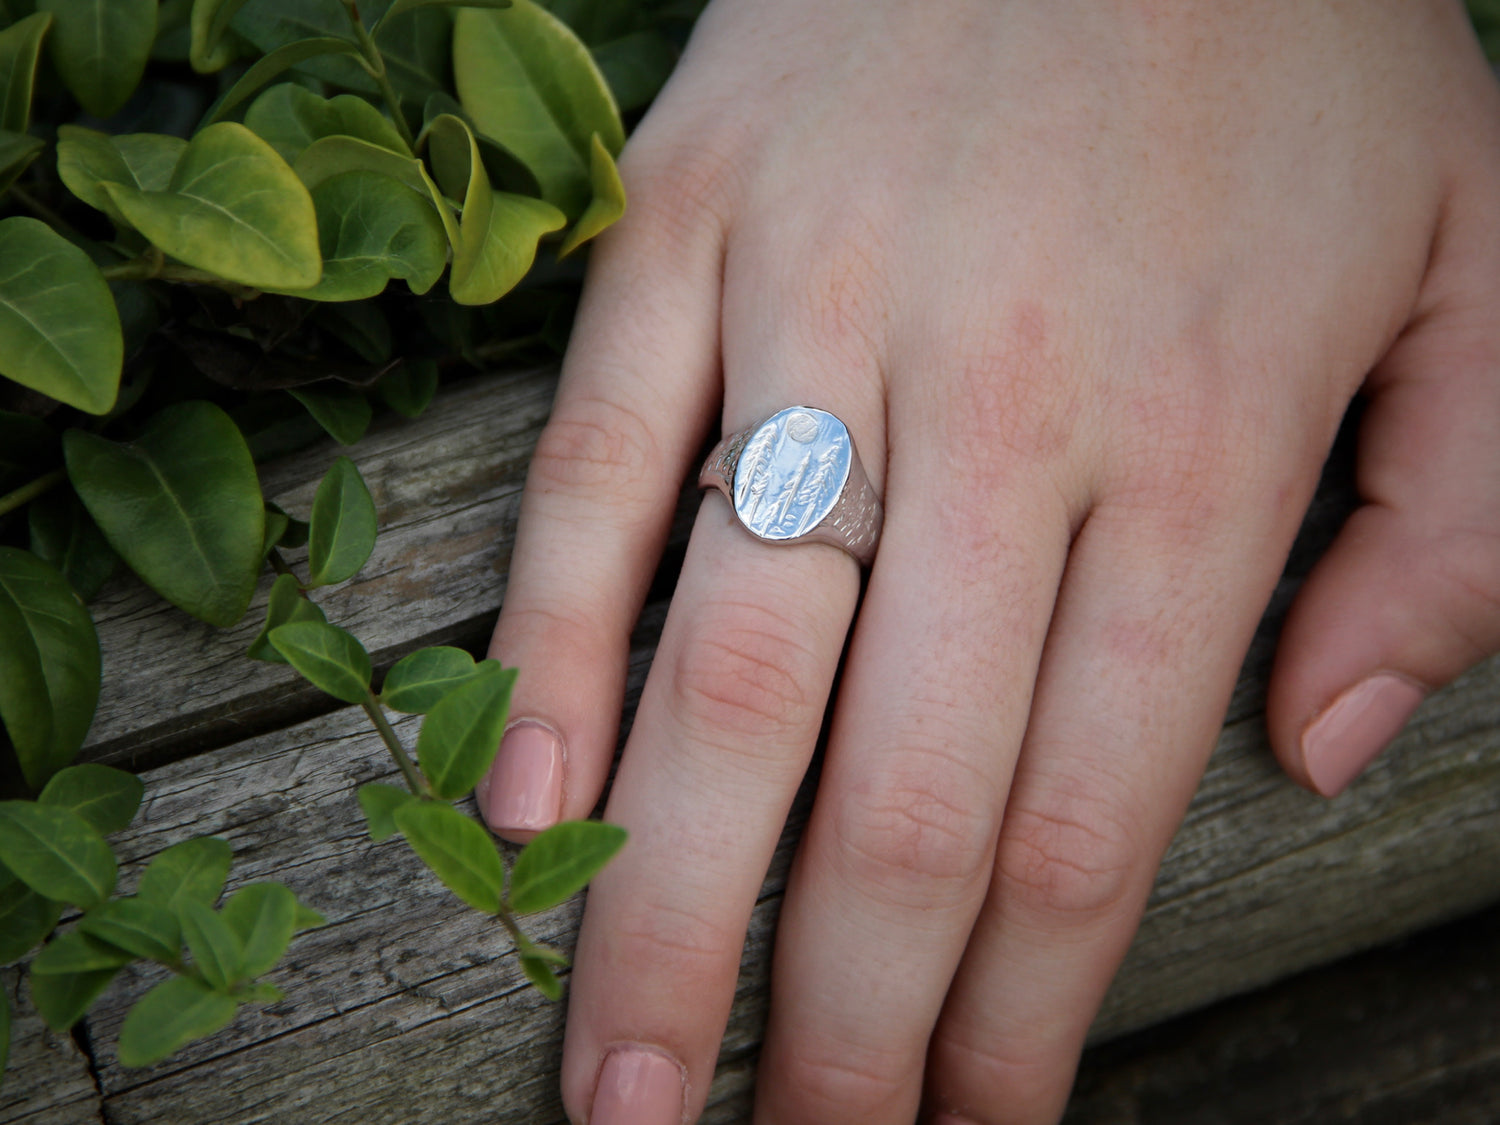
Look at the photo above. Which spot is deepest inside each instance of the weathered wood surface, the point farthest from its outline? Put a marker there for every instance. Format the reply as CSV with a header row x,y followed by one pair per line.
x,y
47,1079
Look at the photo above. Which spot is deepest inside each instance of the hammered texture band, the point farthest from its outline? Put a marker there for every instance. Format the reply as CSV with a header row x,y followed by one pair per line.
x,y
797,478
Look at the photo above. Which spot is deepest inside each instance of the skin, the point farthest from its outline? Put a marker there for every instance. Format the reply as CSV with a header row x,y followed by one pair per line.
x,y
1092,283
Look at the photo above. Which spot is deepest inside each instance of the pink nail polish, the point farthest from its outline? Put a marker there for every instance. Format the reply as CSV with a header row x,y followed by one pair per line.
x,y
525,792
1355,727
637,1087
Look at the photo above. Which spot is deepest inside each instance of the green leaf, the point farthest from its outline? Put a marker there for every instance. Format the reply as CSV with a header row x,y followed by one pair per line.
x,y
400,7
290,117
539,952
263,916
49,664
233,208
65,535
285,606
343,412
209,21
372,228
308,919
216,948
174,1013
462,732
540,974
87,160
100,48
105,797
273,65
56,853
507,171
559,862
528,81
295,534
636,66
337,156
408,388
420,679
25,918
380,803
181,504
328,657
62,998
143,928
607,205
4,1030
192,871
59,331
76,952
277,522
17,151
270,25
342,528
262,993
20,47
458,849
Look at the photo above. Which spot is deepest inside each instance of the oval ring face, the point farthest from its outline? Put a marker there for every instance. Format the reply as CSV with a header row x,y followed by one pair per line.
x,y
791,471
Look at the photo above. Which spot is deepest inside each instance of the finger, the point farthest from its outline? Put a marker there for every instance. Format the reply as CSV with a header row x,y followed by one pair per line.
x,y
894,865
1153,617
638,392
1409,594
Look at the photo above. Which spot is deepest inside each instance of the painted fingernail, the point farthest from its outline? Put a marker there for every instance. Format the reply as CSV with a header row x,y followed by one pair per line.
x,y
525,791
637,1087
1355,727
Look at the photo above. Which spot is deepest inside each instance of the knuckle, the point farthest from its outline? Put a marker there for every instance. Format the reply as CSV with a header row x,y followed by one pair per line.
x,y
1069,856
1030,1071
650,932
596,445
836,1081
674,186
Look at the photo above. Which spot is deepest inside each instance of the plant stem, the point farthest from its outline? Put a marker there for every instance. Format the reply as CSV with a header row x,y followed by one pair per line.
x,y
281,566
31,490
375,67
414,781
152,267
42,211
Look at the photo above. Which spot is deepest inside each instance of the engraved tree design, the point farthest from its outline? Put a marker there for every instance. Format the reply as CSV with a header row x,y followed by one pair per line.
x,y
789,490
811,493
752,468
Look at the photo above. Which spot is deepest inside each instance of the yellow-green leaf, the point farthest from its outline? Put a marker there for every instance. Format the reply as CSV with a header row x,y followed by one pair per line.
x,y
560,861
607,204
371,229
209,21
290,117
87,160
337,156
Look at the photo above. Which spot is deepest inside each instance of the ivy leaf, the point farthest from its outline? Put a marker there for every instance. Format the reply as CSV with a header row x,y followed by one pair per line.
x,y
379,803
337,156
528,81
65,535
420,679
607,204
145,929
105,797
263,917
76,952
100,48
56,853
17,151
20,47
174,1013
233,208
208,23
341,532
215,947
87,160
62,998
49,664
462,732
59,331
408,388
181,504
559,862
290,117
458,849
343,412
192,871
275,64
25,918
327,656
285,606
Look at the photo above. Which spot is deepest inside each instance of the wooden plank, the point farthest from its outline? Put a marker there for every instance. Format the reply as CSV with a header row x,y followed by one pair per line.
x,y
47,1079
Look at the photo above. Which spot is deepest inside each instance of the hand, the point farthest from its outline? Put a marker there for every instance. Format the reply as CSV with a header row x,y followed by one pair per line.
x,y
1092,285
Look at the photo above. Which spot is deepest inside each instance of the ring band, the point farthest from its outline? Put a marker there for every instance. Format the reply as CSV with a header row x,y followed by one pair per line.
x,y
797,478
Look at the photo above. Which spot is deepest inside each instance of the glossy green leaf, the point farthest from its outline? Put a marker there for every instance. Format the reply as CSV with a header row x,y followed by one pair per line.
x,y
607,205
408,388
462,732
371,229
20,48
528,81
181,504
327,656
217,951
343,412
400,7
76,952
207,50
291,117
458,849
62,998
192,871
559,862
380,803
337,156
286,605
49,664
25,918
263,917
508,172
636,66
59,331
342,528
17,151
421,679
105,797
145,929
540,974
65,535
233,208
272,66
172,1014
87,160
100,48
56,853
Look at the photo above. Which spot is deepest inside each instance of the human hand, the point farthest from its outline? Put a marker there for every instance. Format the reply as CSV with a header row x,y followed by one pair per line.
x,y
1092,285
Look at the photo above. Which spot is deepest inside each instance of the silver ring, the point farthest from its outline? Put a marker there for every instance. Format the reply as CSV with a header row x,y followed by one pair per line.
x,y
797,478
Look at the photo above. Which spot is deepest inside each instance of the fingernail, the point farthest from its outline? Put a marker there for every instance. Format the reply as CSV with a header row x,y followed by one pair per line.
x,y
525,792
1354,728
950,1119
637,1087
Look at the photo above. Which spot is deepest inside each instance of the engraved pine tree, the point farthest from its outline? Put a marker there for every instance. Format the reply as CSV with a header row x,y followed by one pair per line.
x,y
752,468
790,489
809,495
